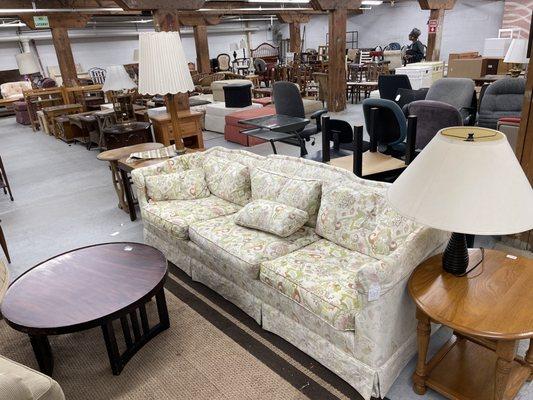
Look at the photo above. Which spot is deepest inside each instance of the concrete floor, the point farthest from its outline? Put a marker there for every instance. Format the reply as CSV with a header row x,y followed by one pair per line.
x,y
64,199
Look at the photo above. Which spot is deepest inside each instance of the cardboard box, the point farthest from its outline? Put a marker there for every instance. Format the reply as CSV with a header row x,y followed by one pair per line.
x,y
465,68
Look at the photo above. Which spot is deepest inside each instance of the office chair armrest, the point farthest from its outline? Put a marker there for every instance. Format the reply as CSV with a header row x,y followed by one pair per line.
x,y
470,119
317,116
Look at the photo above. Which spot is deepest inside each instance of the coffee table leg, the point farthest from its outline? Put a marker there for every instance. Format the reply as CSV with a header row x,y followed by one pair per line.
x,y
423,335
506,351
43,353
112,347
162,309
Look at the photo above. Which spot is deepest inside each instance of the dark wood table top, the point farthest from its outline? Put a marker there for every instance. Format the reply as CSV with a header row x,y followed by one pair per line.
x,y
126,128
79,289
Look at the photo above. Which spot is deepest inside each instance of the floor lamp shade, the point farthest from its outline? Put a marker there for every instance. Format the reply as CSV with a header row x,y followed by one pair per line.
x,y
466,186
163,67
517,52
116,78
27,63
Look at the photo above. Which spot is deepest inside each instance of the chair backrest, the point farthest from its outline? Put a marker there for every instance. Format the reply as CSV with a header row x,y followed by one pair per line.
x,y
432,116
339,131
287,99
388,85
351,54
457,92
97,75
390,127
503,98
393,46
224,62
260,65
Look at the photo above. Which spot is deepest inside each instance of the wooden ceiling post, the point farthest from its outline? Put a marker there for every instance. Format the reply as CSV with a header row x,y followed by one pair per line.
x,y
65,58
295,37
436,25
336,60
202,49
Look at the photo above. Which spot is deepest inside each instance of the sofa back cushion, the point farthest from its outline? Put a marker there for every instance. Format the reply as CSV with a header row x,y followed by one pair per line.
x,y
300,193
272,217
228,180
244,157
360,219
183,185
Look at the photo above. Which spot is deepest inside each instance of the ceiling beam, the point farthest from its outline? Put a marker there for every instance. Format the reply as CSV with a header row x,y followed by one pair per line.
x,y
198,19
59,20
293,17
335,4
160,4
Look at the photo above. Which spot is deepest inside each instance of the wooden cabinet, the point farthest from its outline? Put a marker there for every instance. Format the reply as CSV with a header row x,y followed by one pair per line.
x,y
190,127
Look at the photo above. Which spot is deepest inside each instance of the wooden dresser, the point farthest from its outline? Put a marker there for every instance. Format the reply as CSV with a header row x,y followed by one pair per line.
x,y
190,129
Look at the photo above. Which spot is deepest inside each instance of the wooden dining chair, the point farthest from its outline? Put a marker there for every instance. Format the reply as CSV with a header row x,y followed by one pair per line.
x,y
4,244
4,183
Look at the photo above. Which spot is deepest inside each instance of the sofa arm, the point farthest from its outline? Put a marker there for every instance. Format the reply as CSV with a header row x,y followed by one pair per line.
x,y
382,275
175,164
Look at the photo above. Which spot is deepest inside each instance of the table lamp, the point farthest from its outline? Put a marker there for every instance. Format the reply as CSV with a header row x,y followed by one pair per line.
x,y
516,56
28,65
119,86
467,180
163,70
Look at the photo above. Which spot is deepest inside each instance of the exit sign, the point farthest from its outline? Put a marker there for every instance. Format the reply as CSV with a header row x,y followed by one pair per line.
x,y
433,25
41,21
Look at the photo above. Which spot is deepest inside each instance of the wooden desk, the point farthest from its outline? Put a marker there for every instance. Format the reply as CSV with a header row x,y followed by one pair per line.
x,y
374,164
490,310
190,126
113,156
51,113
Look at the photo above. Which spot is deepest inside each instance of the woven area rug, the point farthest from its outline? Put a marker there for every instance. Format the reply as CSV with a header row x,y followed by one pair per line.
x,y
211,351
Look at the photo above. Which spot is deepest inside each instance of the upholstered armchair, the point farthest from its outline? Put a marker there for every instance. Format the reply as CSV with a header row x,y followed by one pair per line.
x,y
224,62
13,90
501,99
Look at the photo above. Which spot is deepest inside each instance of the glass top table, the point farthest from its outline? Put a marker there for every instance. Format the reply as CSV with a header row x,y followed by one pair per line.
x,y
278,128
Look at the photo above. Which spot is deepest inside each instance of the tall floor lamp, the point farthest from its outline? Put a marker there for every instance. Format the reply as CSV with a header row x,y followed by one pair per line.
x,y
163,70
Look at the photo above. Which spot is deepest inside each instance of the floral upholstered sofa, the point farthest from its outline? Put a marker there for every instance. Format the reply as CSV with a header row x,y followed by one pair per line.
x,y
310,251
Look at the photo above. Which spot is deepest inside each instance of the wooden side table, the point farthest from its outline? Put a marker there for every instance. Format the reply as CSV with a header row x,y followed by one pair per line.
x,y
490,310
51,113
190,126
112,156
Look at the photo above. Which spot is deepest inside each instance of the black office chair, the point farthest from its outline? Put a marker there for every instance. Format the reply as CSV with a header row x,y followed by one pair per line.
x,y
340,133
288,101
388,85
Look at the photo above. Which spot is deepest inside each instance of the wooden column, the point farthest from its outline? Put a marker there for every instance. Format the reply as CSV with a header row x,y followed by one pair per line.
x,y
65,58
436,13
435,38
336,56
202,49
166,20
295,37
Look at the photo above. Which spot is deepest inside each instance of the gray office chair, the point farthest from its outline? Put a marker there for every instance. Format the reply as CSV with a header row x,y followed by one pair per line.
x,y
288,101
457,92
432,116
502,98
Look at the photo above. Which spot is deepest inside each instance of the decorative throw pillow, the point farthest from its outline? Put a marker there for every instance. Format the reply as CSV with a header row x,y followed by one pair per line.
x,y
183,185
228,180
270,216
345,212
300,193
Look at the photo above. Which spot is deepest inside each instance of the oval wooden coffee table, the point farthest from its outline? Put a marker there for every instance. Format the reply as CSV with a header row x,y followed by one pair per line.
x,y
88,287
490,310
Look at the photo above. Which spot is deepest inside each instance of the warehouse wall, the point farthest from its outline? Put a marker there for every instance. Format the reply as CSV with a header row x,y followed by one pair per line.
x,y
109,50
465,27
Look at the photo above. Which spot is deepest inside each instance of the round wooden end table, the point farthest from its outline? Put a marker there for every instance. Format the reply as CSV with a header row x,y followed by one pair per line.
x,y
490,310
88,287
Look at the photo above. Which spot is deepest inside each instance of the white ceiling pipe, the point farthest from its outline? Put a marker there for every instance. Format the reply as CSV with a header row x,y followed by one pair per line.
x,y
17,11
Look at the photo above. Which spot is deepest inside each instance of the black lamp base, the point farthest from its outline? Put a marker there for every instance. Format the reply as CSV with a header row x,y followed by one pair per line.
x,y
455,257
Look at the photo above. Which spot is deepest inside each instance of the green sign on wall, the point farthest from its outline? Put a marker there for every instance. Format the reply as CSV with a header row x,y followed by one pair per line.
x,y
41,21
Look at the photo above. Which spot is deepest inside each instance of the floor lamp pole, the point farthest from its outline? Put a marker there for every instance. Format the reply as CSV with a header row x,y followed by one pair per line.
x,y
172,110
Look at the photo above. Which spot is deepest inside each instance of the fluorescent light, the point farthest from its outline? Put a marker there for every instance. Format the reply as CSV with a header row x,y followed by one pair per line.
x,y
280,1
372,2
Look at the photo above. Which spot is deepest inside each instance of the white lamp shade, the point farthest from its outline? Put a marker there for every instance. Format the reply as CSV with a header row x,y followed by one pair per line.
x,y
136,55
27,64
517,52
466,187
116,78
163,67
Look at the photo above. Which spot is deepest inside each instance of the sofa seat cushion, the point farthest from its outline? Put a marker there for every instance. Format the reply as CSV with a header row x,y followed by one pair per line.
x,y
175,216
245,248
321,278
40,386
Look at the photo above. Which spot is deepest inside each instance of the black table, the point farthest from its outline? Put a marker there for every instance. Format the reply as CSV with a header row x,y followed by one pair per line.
x,y
278,128
129,134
